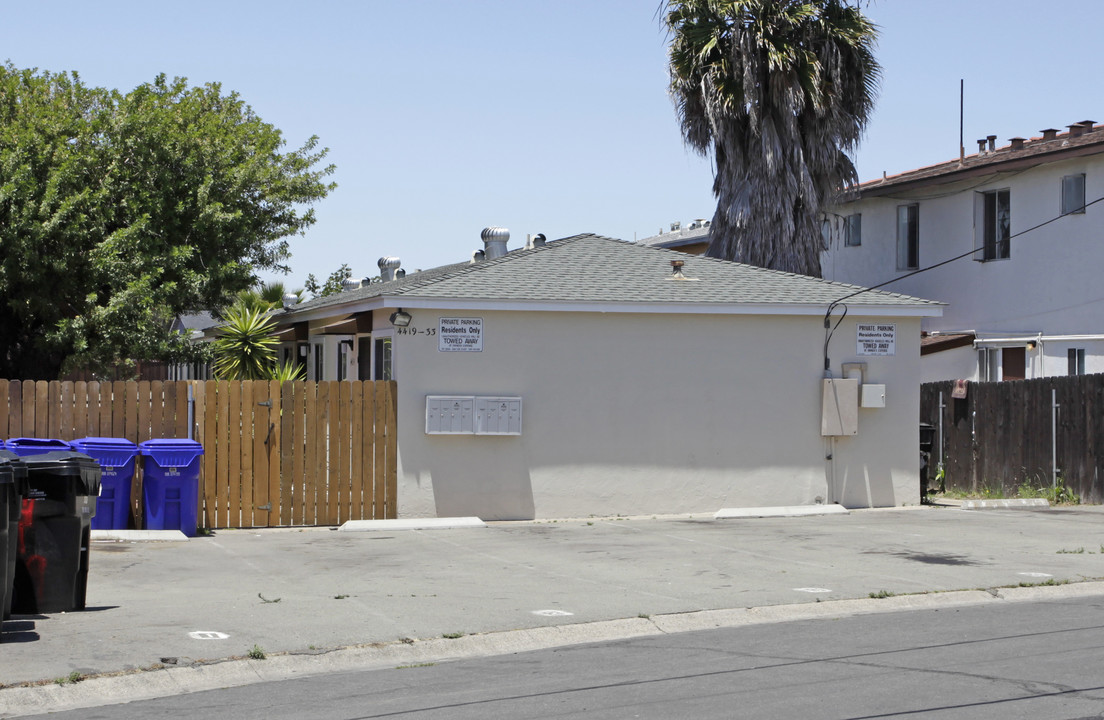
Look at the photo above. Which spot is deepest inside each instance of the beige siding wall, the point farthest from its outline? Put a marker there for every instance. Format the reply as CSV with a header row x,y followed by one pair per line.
x,y
648,414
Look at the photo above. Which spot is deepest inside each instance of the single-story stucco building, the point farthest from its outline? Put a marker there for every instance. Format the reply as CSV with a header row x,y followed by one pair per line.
x,y
590,376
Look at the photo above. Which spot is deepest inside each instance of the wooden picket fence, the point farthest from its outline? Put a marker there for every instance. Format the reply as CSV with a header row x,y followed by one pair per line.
x,y
275,454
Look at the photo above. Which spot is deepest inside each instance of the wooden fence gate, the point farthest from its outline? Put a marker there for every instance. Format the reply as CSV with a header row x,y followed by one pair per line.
x,y
275,454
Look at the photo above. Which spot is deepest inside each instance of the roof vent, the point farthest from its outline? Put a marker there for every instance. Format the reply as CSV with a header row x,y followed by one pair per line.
x,y
992,142
676,226
1017,142
388,265
1049,133
477,256
535,241
290,300
350,283
494,240
981,146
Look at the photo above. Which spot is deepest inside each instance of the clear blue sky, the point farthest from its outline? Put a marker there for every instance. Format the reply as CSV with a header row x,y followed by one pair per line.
x,y
445,116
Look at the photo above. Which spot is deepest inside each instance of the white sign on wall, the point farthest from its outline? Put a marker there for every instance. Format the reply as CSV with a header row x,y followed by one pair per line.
x,y
877,339
460,335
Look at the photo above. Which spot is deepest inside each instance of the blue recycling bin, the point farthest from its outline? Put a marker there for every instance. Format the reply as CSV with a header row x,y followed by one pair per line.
x,y
116,458
170,484
11,503
26,447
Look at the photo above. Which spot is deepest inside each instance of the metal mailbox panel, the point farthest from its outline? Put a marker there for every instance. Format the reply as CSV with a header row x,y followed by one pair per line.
x,y
450,415
498,416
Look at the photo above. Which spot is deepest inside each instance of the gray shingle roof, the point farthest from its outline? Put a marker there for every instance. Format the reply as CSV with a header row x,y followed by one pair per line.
x,y
594,269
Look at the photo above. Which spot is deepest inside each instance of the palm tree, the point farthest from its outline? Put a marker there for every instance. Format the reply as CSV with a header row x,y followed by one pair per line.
x,y
780,92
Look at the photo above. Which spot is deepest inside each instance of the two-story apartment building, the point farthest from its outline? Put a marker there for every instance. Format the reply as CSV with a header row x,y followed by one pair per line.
x,y
1023,299
1008,237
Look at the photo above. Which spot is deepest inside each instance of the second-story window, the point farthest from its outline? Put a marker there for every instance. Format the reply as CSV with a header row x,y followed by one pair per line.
x,y
908,237
995,225
1073,194
852,230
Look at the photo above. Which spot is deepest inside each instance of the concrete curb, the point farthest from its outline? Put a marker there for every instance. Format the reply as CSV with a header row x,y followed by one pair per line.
x,y
785,511
138,536
412,524
236,672
1009,504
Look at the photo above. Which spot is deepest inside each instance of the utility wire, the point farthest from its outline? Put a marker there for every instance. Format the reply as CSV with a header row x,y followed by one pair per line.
x,y
829,330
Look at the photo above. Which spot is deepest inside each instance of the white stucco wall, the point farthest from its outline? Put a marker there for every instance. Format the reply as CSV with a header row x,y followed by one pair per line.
x,y
646,414
1050,284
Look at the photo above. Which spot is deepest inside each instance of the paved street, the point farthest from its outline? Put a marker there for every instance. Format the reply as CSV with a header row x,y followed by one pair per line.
x,y
318,601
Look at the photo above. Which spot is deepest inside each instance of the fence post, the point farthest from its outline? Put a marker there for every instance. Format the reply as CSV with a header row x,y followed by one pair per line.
x,y
1054,436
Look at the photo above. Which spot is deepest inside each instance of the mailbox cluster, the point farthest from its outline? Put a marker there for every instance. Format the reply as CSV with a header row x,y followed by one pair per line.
x,y
472,415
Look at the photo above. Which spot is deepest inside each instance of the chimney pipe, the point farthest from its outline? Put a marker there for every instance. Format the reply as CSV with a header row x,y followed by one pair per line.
x,y
1089,125
1076,130
992,142
494,240
1049,133
388,265
1017,143
981,146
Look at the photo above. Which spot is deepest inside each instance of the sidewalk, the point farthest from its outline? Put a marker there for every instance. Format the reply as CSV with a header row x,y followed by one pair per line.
x,y
299,595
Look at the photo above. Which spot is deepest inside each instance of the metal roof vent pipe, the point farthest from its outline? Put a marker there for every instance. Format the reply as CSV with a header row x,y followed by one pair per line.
x,y
1049,133
534,241
388,265
350,283
494,240
290,300
477,256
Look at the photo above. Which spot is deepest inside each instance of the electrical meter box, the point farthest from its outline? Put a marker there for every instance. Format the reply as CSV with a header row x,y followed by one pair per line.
x,y
840,409
873,396
450,415
498,416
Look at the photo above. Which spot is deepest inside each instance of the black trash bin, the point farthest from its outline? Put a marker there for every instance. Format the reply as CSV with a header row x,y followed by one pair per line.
x,y
13,508
51,567
8,499
927,440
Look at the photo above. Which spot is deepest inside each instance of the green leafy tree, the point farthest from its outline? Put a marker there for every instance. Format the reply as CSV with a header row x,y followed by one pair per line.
x,y
332,284
779,91
119,212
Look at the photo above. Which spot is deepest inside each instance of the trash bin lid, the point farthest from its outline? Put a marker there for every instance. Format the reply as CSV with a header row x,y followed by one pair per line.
x,y
170,452
66,463
35,446
112,452
19,470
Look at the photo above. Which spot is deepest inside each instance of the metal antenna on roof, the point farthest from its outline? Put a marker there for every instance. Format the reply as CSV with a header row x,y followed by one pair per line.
x,y
961,115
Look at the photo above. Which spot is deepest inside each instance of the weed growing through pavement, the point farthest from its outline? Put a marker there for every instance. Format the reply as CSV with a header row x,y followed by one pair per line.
x,y
881,594
1078,551
256,653
73,677
453,635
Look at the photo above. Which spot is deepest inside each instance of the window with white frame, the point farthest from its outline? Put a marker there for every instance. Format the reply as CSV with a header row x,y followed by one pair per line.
x,y
382,359
852,230
1076,361
989,365
994,224
343,348
1073,194
908,237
